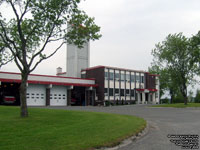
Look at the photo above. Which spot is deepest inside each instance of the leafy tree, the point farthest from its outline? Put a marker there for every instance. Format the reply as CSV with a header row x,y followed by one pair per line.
x,y
35,24
166,82
177,55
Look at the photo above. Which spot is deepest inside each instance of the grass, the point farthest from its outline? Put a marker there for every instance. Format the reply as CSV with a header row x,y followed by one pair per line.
x,y
50,129
178,105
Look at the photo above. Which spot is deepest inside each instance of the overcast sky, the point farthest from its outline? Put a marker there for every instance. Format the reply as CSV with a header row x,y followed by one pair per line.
x,y
130,29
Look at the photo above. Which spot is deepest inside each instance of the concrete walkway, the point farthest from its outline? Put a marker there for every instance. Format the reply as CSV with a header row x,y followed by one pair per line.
x,y
162,122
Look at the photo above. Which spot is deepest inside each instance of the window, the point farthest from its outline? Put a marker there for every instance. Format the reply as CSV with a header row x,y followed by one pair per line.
x,y
106,75
83,75
111,75
121,92
116,91
132,78
127,77
122,77
137,78
111,92
142,79
116,76
105,91
127,92
132,93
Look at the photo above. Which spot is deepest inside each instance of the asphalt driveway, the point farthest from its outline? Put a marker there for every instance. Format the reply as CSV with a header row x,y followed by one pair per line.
x,y
162,122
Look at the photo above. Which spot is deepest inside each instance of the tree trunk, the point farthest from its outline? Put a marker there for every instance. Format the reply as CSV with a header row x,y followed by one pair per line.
x,y
23,88
172,96
184,93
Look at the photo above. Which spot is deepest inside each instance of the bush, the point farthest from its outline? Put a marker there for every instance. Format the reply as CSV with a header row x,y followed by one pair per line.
x,y
107,103
165,101
178,98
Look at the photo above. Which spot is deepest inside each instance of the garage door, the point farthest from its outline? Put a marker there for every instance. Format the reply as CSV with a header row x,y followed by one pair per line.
x,y
58,96
36,95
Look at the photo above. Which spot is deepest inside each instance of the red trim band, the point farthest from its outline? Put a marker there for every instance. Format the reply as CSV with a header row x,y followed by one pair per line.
x,y
46,82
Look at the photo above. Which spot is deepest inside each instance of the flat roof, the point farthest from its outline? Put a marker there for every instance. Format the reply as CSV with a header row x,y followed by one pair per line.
x,y
47,79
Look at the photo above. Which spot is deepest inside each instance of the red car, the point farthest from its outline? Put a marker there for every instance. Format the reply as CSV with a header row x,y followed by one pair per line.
x,y
9,99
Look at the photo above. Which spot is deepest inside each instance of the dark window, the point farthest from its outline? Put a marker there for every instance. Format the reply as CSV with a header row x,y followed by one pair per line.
x,y
83,75
127,91
121,92
27,93
105,90
132,92
116,91
111,92
142,79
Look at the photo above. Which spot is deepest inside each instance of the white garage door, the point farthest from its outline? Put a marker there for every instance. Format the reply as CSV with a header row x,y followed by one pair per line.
x,y
36,95
58,96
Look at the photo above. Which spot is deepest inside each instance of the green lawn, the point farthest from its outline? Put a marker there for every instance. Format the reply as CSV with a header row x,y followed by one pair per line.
x,y
50,129
178,105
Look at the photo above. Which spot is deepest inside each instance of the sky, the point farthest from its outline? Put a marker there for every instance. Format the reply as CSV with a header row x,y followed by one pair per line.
x,y
130,29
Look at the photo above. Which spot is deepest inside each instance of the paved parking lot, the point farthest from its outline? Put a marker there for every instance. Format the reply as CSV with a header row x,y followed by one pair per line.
x,y
162,122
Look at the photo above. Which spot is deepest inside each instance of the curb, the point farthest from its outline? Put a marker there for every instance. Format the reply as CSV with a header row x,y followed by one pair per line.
x,y
128,140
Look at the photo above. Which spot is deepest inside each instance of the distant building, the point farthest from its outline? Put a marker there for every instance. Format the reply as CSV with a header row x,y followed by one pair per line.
x,y
124,86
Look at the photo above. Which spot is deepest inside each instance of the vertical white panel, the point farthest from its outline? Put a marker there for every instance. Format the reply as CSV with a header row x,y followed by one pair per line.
x,y
36,95
77,59
58,96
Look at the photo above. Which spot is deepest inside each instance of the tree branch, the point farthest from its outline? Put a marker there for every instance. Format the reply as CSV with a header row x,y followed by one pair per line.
x,y
46,42
47,56
9,40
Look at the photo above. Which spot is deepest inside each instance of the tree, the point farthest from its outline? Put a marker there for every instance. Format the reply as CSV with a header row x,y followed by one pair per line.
x,y
34,25
177,54
166,82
